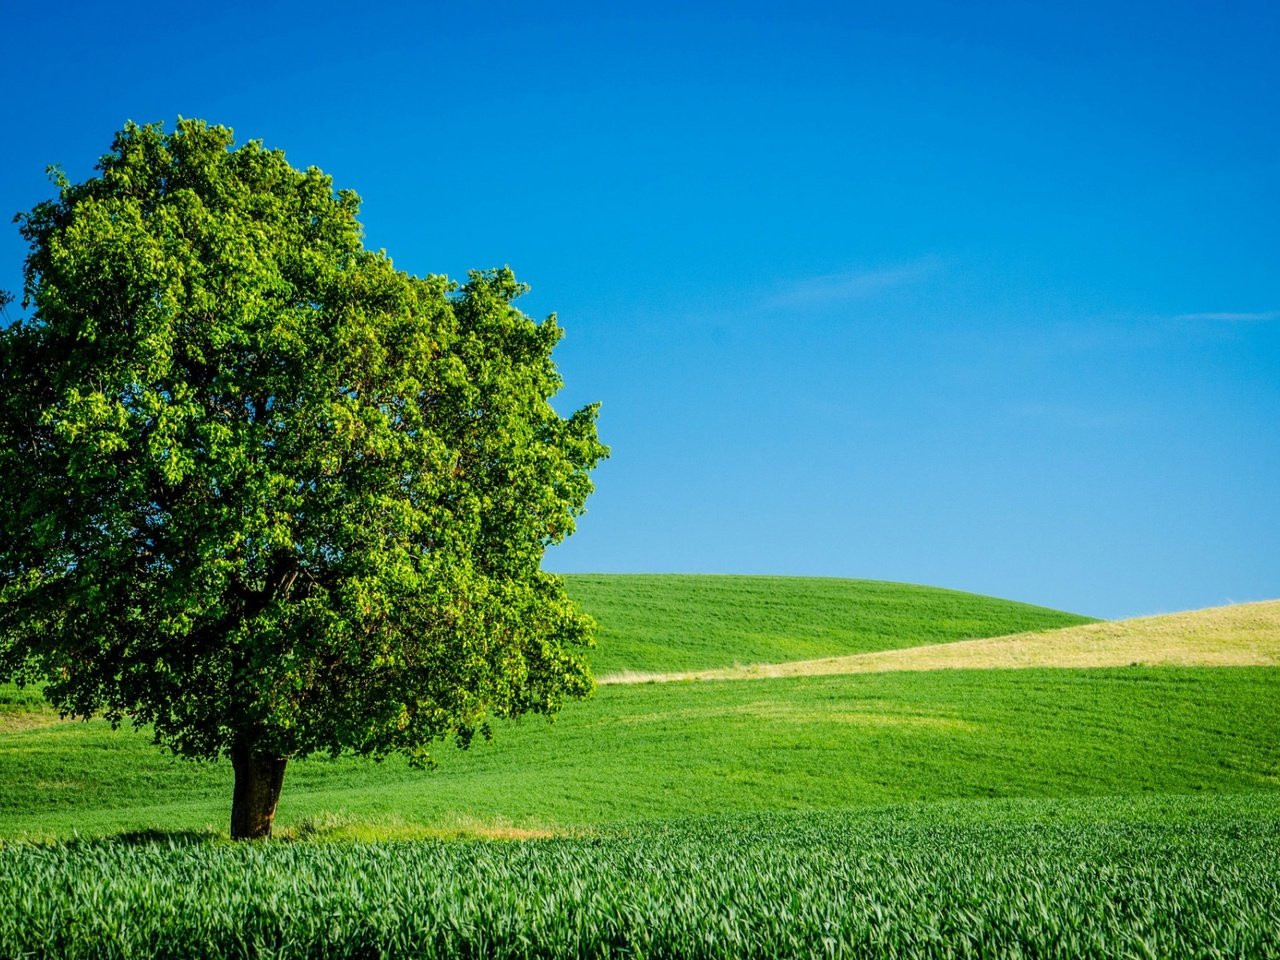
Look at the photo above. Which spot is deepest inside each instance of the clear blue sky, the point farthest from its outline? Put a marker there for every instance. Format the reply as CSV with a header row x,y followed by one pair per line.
x,y
984,296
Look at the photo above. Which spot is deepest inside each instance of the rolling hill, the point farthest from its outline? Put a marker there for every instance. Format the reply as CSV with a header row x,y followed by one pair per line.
x,y
1242,635
788,743
651,622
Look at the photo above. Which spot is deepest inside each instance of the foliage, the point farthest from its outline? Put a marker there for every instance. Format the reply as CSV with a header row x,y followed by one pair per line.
x,y
1104,882
260,486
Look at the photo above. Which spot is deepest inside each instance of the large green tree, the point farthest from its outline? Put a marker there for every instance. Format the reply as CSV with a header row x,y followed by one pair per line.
x,y
265,494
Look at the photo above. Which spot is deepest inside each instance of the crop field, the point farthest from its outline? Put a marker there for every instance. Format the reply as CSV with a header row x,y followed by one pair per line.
x,y
1046,811
1110,879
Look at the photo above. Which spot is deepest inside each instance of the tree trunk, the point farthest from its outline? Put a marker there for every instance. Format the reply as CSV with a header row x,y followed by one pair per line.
x,y
258,781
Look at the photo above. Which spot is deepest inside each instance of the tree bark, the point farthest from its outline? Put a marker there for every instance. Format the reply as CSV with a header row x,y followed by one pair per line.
x,y
258,781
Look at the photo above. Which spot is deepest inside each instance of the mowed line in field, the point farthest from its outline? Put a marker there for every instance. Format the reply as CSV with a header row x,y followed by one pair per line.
x,y
1241,635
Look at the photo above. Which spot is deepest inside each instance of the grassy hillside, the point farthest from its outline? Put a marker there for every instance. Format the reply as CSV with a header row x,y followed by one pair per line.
x,y
1243,635
663,750
684,622
1058,811
678,749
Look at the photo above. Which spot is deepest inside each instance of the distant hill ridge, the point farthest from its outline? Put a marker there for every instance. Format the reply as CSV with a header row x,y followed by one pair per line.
x,y
1242,635
686,622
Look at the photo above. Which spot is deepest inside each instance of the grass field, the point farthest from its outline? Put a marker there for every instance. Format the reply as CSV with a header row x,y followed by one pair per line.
x,y
671,622
1070,810
1243,635
663,750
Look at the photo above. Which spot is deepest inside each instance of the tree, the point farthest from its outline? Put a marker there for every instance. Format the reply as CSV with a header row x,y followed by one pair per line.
x,y
265,494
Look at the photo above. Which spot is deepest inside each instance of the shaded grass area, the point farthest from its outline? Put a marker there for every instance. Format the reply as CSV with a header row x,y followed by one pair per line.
x,y
664,750
1104,878
651,622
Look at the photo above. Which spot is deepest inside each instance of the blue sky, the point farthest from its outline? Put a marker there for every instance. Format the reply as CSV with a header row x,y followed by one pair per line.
x,y
984,296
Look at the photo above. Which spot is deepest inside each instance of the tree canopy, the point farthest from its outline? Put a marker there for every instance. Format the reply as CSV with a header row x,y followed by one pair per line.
x,y
265,494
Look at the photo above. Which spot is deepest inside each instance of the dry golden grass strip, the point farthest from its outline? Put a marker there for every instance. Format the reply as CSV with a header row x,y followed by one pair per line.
x,y
1246,634
15,721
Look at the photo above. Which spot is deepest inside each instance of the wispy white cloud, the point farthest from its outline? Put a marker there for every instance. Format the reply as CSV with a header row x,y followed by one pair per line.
x,y
1261,317
848,286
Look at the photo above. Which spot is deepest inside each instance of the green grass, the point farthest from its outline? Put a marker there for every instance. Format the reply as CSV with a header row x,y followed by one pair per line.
x,y
1111,878
1041,812
674,622
666,750
14,699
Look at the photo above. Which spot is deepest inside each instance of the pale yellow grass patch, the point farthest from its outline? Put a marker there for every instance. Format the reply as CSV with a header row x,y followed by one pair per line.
x,y
462,826
1245,634
16,721
337,826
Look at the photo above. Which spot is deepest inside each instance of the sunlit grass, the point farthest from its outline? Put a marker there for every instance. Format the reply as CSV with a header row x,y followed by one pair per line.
x,y
677,749
679,622
1235,636
1052,811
